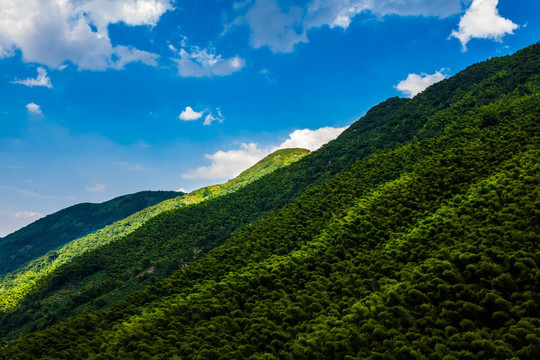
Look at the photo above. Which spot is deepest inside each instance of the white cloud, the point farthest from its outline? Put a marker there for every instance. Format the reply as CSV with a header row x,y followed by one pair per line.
x,y
52,32
310,139
280,28
123,55
482,21
182,190
28,214
34,108
188,114
96,187
415,83
205,63
271,26
228,164
211,118
41,80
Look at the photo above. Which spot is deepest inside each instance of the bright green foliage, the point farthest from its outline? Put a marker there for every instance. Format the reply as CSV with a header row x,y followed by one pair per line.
x,y
55,230
15,286
269,164
426,246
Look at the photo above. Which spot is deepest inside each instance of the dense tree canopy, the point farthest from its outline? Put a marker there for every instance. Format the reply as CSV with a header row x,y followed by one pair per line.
x,y
413,235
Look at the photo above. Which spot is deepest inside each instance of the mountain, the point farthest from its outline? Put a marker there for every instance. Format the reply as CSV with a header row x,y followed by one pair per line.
x,y
59,228
272,162
18,284
412,235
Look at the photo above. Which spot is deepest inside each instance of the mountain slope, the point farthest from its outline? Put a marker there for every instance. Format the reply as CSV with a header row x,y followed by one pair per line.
x,y
16,285
68,224
424,245
167,241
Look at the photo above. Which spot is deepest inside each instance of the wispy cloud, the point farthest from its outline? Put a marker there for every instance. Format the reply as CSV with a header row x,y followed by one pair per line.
x,y
416,83
11,167
28,193
27,215
96,187
41,80
188,114
280,26
210,118
205,63
130,166
482,21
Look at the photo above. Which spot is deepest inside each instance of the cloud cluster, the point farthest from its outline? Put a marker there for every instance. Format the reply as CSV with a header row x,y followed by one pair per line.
x,y
281,27
228,164
205,63
210,118
41,80
415,83
188,114
482,21
53,32
34,108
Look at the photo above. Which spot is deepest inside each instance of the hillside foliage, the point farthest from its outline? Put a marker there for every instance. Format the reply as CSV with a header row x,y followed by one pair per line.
x,y
413,235
55,230
16,285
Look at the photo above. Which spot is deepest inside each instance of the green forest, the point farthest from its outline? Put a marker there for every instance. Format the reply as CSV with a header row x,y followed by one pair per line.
x,y
60,228
413,235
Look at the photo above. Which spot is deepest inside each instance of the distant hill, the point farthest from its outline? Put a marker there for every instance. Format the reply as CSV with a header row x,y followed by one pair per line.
x,y
59,228
413,235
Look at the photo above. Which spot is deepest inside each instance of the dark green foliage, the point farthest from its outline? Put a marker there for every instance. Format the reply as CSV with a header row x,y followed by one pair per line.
x,y
59,228
19,284
175,238
413,235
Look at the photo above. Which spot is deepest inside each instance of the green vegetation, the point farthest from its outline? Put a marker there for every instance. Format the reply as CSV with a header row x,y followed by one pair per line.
x,y
269,164
18,284
55,230
413,235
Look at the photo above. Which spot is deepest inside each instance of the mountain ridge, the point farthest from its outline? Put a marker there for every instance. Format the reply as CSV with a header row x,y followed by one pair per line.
x,y
412,235
30,274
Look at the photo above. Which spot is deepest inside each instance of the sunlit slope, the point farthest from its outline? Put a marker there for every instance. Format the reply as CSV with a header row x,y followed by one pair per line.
x,y
55,230
172,239
269,164
417,237
14,286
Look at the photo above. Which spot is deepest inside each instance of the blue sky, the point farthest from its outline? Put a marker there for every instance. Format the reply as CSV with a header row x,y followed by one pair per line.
x,y
101,98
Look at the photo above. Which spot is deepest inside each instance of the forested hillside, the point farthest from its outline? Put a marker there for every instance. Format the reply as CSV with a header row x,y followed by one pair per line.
x,y
413,235
68,224
16,285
